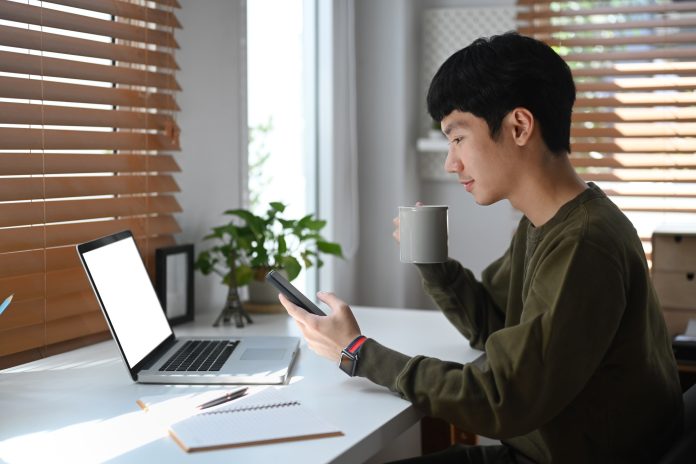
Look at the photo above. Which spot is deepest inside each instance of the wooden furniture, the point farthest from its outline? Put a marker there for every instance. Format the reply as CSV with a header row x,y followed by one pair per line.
x,y
673,274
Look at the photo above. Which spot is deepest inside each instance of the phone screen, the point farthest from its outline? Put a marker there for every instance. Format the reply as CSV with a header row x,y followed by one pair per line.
x,y
291,293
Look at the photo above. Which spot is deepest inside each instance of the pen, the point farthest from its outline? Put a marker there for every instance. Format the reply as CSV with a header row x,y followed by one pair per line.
x,y
229,396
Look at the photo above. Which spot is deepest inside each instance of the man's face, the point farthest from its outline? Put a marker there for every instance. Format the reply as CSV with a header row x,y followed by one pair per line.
x,y
482,164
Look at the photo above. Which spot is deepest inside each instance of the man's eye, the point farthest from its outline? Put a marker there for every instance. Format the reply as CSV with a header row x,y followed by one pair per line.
x,y
456,140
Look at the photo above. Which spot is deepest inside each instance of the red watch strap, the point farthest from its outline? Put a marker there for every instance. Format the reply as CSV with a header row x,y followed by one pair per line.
x,y
355,345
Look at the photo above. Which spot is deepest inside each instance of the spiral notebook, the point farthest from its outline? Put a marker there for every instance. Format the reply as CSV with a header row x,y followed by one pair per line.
x,y
262,418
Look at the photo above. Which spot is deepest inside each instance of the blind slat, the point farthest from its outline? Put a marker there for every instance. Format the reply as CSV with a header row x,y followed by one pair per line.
x,y
172,3
632,99
21,113
29,188
45,139
637,114
654,54
682,68
36,40
650,190
637,83
615,39
637,144
15,164
636,160
585,27
641,175
23,339
125,10
53,285
544,12
69,328
34,89
28,238
37,212
38,16
637,130
60,258
22,63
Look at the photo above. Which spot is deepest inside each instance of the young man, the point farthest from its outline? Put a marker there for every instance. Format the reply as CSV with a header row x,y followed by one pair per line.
x,y
579,366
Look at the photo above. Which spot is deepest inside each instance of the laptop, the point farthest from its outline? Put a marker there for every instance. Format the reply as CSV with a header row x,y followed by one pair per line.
x,y
148,346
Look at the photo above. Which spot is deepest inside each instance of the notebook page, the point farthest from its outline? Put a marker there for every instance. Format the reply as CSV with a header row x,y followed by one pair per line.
x,y
265,417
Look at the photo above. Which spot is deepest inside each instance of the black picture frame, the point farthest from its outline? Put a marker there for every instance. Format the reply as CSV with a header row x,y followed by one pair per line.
x,y
174,268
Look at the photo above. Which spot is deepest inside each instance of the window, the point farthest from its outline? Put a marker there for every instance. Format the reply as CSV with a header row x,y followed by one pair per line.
x,y
633,122
281,107
87,127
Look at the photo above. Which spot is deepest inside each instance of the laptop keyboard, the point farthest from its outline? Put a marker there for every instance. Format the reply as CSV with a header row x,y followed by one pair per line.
x,y
200,355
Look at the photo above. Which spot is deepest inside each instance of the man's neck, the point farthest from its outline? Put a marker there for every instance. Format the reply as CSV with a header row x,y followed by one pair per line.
x,y
551,184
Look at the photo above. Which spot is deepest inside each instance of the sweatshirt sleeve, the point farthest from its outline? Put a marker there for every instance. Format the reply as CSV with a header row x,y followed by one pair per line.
x,y
473,307
535,368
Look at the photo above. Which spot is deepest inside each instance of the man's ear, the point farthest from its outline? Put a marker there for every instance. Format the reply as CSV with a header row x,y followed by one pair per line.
x,y
521,124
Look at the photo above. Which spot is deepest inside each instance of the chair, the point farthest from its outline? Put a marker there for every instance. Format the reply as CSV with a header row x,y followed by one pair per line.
x,y
683,451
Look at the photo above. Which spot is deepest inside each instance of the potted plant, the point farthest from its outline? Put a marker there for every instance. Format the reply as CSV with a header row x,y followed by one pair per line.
x,y
251,245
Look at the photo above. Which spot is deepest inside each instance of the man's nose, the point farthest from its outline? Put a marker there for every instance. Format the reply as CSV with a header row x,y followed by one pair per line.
x,y
452,164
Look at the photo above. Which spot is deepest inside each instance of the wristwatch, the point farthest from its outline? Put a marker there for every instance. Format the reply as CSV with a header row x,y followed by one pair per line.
x,y
349,356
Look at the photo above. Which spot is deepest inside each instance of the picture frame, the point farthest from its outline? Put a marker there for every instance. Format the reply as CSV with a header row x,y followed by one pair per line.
x,y
174,282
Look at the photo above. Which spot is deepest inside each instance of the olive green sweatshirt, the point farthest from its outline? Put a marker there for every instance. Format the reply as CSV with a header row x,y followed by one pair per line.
x,y
579,366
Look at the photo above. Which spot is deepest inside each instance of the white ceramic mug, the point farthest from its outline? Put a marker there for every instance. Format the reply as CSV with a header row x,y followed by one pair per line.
x,y
423,234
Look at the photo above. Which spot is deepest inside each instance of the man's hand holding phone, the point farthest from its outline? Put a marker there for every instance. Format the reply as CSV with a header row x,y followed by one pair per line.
x,y
326,335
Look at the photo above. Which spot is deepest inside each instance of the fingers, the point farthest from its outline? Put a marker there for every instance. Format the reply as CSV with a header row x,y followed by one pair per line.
x,y
295,311
334,302
397,223
397,232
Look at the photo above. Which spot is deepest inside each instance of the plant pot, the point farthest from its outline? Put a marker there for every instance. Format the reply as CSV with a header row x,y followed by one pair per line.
x,y
262,293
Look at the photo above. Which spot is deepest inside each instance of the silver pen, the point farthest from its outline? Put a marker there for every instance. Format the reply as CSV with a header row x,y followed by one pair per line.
x,y
229,396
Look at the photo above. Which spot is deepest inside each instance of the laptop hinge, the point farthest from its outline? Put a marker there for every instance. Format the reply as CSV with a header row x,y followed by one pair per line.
x,y
156,354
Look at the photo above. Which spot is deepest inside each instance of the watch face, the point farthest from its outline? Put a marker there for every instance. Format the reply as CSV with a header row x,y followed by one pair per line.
x,y
347,363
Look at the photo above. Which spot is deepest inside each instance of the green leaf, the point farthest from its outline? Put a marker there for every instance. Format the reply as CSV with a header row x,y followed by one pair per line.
x,y
204,263
244,275
302,223
316,225
291,266
305,259
277,206
287,223
282,246
255,223
330,248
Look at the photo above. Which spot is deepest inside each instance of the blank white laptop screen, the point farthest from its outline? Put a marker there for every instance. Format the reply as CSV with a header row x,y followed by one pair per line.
x,y
130,300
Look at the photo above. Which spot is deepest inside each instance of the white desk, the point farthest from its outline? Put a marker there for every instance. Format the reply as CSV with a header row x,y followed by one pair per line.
x,y
80,406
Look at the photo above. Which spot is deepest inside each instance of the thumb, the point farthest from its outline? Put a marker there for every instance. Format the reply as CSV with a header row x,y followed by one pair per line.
x,y
419,203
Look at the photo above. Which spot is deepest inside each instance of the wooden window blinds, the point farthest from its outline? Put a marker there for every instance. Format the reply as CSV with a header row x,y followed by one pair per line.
x,y
633,130
87,127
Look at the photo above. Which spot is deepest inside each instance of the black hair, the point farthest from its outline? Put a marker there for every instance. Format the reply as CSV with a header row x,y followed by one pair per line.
x,y
492,76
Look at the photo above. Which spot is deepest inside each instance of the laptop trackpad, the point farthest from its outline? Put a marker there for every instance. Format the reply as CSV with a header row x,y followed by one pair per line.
x,y
263,354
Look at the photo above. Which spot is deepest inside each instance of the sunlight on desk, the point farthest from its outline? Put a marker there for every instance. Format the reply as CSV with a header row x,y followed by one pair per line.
x,y
80,406
91,441
62,367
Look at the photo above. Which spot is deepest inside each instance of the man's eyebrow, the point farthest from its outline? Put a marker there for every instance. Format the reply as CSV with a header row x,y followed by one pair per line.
x,y
452,125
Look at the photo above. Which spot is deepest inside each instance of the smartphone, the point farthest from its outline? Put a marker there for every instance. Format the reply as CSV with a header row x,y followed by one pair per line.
x,y
291,293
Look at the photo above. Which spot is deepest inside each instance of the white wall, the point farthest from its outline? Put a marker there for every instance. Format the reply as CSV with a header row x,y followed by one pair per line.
x,y
212,113
389,107
388,110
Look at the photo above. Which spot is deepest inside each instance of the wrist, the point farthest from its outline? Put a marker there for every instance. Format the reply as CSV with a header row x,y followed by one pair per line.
x,y
348,362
